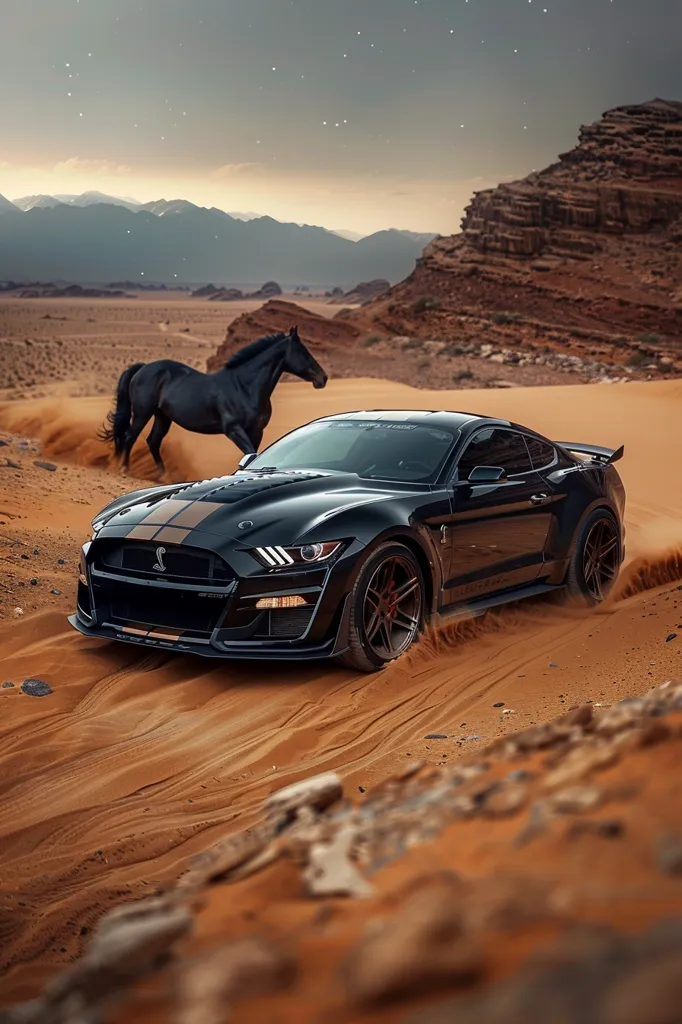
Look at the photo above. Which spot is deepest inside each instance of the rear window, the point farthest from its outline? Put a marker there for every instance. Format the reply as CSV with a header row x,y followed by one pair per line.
x,y
495,446
541,453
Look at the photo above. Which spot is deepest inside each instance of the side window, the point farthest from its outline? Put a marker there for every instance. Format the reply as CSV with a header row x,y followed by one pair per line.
x,y
495,447
541,453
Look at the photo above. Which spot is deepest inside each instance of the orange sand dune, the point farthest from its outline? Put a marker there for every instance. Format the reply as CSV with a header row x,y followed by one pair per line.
x,y
138,761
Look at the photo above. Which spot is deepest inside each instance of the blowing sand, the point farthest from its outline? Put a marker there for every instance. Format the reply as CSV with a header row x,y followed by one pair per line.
x,y
136,762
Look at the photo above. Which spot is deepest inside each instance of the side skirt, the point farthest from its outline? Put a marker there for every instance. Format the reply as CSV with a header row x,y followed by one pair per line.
x,y
474,609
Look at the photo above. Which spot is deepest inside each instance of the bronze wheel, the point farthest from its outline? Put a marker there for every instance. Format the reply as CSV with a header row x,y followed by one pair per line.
x,y
387,608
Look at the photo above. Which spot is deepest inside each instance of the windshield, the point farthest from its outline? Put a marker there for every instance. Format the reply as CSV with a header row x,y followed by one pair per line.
x,y
408,452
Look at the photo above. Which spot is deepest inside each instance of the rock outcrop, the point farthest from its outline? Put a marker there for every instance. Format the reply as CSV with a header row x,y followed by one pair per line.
x,y
270,290
583,257
321,334
361,293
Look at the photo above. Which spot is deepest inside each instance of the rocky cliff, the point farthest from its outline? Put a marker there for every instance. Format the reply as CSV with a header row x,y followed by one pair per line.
x,y
583,257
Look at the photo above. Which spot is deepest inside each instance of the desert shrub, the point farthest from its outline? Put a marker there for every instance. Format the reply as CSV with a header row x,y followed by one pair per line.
x,y
464,375
648,339
638,359
372,339
505,318
424,363
413,345
423,304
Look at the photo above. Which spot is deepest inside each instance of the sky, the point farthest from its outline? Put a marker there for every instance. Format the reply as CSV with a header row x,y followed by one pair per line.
x,y
353,114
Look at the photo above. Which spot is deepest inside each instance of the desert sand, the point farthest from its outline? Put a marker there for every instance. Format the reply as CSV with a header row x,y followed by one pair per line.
x,y
136,763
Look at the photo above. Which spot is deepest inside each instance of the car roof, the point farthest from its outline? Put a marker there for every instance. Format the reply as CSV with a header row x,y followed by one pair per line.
x,y
428,417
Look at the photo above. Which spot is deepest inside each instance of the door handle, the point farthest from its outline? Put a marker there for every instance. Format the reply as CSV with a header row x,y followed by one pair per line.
x,y
539,499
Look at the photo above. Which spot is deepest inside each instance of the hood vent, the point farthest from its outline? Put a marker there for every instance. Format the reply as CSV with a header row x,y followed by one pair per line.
x,y
239,488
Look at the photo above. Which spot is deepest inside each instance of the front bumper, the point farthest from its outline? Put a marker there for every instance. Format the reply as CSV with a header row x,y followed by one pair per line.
x,y
240,650
216,618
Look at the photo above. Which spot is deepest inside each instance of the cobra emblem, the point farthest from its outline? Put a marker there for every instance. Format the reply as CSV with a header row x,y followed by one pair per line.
x,y
158,564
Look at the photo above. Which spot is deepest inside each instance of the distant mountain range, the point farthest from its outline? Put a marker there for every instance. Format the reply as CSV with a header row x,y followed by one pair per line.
x,y
91,238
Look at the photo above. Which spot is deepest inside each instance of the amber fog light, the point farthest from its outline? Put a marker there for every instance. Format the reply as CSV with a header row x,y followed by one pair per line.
x,y
289,601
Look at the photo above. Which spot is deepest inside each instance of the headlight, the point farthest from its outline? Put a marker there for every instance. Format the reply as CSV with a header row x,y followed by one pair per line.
x,y
305,554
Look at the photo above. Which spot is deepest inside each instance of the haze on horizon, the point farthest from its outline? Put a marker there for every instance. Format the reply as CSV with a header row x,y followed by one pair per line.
x,y
359,115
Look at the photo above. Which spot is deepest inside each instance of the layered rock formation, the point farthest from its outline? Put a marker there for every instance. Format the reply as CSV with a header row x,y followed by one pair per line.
x,y
583,256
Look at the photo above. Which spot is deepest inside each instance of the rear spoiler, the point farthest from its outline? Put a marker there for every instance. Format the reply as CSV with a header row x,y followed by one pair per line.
x,y
603,456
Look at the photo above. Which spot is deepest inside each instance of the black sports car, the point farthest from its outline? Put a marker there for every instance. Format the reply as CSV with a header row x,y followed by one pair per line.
x,y
348,535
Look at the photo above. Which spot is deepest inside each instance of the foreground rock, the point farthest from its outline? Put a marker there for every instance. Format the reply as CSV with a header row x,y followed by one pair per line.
x,y
537,881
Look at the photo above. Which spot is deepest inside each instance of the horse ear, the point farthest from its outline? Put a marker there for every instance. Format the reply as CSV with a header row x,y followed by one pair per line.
x,y
293,333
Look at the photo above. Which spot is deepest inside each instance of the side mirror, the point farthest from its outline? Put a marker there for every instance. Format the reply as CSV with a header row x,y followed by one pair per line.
x,y
486,475
246,460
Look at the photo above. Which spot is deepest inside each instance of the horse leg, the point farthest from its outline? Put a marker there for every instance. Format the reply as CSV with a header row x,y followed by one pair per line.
x,y
238,436
162,425
134,430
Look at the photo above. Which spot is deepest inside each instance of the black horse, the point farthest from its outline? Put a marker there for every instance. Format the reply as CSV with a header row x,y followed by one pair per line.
x,y
235,401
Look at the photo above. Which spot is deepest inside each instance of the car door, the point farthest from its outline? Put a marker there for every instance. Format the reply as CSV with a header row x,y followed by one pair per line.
x,y
497,530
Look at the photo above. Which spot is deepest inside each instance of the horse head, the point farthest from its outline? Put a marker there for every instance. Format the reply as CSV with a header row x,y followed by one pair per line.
x,y
301,362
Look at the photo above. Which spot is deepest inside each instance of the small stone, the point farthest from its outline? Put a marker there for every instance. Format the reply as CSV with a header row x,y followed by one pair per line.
x,y
61,561
499,704
7,685
49,466
580,763
436,736
648,994
36,688
506,801
577,799
12,465
553,664
520,775
208,987
36,551
602,829
55,591
25,556
422,948
34,582
669,854
671,636
330,870
319,792
18,612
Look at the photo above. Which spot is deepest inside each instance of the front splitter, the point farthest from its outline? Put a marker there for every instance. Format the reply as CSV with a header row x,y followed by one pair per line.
x,y
252,652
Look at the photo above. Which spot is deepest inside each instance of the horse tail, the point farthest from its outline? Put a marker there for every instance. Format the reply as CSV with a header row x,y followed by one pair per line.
x,y
119,417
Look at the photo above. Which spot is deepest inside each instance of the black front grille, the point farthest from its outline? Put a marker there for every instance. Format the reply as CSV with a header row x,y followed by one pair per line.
x,y
285,623
155,606
179,562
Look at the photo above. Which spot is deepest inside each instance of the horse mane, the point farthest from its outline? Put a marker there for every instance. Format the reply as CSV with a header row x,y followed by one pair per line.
x,y
253,350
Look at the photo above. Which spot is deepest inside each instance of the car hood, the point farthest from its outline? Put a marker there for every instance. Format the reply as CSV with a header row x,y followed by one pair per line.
x,y
253,509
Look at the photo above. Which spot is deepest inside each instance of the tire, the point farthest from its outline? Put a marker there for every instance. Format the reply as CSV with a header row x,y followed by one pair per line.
x,y
368,649
591,576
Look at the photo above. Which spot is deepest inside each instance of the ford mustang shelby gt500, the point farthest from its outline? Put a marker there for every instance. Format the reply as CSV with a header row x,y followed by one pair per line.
x,y
348,535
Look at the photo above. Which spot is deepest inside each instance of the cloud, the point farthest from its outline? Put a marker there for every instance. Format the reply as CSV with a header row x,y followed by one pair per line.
x,y
81,165
235,170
